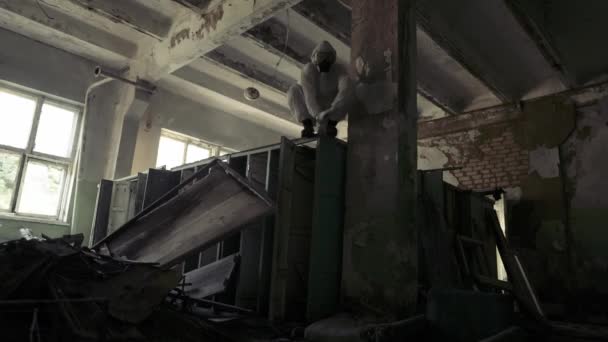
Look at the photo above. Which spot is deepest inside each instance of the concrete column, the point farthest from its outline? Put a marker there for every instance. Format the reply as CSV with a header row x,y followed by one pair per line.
x,y
130,132
380,239
148,136
106,107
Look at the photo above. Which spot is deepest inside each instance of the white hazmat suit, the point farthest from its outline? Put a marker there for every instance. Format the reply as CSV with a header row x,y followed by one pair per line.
x,y
326,92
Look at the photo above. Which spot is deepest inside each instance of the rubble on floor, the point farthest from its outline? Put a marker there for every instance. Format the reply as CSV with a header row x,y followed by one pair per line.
x,y
55,290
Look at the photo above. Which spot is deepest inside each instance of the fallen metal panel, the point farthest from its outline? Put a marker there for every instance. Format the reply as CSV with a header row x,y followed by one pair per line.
x,y
203,213
211,279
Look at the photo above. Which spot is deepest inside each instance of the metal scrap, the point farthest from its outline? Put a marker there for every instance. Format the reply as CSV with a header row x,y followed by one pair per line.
x,y
214,204
75,293
211,279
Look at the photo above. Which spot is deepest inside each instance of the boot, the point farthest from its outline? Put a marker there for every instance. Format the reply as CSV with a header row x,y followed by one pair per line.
x,y
309,129
331,130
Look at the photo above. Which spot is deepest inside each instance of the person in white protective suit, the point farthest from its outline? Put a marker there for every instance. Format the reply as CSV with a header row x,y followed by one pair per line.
x,y
325,95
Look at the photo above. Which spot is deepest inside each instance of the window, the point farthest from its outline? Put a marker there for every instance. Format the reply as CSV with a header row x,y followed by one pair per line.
x,y
37,148
176,149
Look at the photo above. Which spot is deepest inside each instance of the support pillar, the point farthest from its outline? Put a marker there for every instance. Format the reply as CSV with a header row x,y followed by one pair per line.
x,y
148,138
106,107
130,132
380,263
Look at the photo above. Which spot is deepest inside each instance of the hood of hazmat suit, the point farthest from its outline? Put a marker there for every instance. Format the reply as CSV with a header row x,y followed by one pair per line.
x,y
323,53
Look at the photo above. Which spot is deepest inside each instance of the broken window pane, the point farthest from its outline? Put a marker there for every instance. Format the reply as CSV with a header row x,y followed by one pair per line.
x,y
9,167
16,116
56,129
42,188
170,152
196,153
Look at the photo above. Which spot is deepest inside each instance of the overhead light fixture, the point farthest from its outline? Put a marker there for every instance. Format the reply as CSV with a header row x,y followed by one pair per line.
x,y
252,93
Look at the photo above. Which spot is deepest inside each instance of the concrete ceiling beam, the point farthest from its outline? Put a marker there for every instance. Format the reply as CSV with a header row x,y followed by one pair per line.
x,y
260,61
423,92
452,51
222,79
129,13
251,71
193,35
444,78
313,17
485,38
48,24
271,35
331,16
198,90
539,35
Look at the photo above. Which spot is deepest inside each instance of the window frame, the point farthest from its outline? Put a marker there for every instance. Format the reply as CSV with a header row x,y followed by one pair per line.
x,y
214,149
29,154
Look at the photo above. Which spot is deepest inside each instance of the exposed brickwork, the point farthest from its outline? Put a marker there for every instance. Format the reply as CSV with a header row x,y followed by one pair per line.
x,y
488,158
501,163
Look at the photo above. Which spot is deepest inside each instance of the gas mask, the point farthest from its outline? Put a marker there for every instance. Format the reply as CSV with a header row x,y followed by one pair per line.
x,y
324,60
324,66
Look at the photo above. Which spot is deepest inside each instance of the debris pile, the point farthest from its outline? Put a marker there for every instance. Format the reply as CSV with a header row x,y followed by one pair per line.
x,y
56,290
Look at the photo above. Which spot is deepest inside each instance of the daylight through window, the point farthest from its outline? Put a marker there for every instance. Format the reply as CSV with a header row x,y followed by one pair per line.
x,y
176,149
37,148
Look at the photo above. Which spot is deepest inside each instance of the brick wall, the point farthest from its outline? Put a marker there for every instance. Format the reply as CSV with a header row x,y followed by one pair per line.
x,y
499,163
484,158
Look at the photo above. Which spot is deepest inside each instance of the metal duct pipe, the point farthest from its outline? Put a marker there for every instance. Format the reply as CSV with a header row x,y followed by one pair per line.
x,y
139,84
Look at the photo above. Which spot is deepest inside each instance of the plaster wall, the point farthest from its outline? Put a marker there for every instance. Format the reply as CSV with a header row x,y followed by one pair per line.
x,y
30,64
34,65
556,210
586,166
214,125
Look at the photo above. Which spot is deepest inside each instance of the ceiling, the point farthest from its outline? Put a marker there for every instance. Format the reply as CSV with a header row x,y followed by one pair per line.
x,y
471,54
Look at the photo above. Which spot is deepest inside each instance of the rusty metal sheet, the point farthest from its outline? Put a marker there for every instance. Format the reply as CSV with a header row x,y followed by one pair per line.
x,y
204,212
211,279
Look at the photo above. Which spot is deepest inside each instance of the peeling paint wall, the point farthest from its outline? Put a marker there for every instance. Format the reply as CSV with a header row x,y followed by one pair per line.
x,y
59,74
481,158
586,166
551,161
537,215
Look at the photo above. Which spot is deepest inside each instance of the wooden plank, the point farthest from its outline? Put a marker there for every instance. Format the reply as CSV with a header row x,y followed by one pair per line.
x,y
522,290
205,212
325,268
102,211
